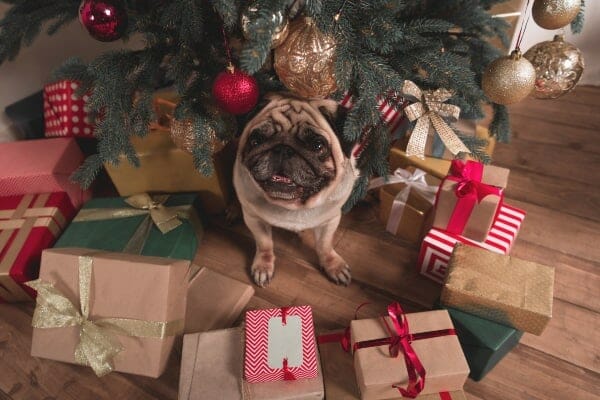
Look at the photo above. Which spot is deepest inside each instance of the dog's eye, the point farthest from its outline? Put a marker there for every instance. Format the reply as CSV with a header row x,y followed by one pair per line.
x,y
317,144
256,138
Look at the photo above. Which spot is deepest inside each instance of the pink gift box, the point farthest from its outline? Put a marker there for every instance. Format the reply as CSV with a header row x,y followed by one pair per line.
x,y
438,244
280,345
41,166
65,113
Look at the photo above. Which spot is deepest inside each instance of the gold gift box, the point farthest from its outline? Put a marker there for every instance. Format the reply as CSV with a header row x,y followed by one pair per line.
x,y
166,169
417,215
500,288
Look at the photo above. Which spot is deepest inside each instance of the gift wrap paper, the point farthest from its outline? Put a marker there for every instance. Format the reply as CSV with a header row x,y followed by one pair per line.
x,y
166,169
117,284
65,113
212,365
215,301
28,224
114,234
501,288
442,357
41,166
483,213
484,342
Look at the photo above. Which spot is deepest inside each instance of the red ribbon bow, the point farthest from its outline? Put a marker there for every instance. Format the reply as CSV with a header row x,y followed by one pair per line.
x,y
469,191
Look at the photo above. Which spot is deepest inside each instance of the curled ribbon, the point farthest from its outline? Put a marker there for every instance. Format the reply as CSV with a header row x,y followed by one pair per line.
x,y
469,191
415,181
429,110
98,344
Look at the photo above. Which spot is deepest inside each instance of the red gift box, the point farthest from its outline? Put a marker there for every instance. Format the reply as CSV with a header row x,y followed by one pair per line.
x,y
65,113
280,345
41,166
390,108
28,224
438,244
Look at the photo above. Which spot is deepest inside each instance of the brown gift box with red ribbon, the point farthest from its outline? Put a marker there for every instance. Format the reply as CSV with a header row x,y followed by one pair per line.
x,y
469,198
428,355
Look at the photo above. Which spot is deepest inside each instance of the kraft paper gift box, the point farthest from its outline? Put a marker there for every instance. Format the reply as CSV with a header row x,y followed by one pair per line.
x,y
484,342
124,313
41,166
28,224
501,288
166,169
406,207
280,344
113,224
381,376
65,112
469,198
437,246
215,301
212,365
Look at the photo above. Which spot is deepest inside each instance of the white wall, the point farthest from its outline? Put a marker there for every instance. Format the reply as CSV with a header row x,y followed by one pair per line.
x,y
587,41
31,69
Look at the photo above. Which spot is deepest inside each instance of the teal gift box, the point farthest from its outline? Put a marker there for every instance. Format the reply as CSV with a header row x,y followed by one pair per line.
x,y
484,342
161,226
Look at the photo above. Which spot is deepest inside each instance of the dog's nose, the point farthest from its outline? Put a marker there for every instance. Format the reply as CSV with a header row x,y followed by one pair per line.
x,y
283,150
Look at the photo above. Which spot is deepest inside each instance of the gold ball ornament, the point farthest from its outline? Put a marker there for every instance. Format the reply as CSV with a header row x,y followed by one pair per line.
x,y
185,137
508,79
305,61
279,20
554,14
558,66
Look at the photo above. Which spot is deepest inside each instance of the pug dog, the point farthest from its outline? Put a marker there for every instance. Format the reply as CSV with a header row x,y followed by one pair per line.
x,y
291,172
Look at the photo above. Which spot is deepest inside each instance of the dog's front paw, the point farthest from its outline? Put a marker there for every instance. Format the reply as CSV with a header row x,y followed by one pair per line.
x,y
337,269
262,269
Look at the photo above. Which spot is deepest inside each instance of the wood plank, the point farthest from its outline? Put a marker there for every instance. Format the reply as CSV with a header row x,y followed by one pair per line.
x,y
579,116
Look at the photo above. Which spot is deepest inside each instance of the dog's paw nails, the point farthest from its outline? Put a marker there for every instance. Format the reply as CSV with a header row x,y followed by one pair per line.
x,y
340,275
262,274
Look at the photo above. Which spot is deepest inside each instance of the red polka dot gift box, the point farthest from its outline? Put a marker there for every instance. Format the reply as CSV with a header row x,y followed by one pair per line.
x,y
65,113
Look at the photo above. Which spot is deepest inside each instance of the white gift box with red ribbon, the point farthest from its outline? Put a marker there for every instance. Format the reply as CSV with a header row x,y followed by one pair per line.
x,y
438,244
65,113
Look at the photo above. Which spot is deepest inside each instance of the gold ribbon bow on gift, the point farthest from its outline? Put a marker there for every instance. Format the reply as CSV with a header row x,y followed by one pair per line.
x,y
428,109
415,181
98,344
166,219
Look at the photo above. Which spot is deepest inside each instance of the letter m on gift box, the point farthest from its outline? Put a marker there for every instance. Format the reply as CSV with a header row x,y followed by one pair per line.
x,y
280,345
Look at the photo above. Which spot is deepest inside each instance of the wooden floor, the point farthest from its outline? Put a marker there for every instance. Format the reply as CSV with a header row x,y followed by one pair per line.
x,y
555,176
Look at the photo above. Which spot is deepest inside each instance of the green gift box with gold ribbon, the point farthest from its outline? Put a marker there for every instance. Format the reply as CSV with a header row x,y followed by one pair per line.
x,y
159,225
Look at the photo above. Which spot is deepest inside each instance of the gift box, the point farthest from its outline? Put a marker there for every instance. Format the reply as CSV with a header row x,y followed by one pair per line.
x,y
215,301
437,245
484,342
406,203
391,359
66,113
468,199
41,166
504,289
163,226
166,169
211,368
90,312
280,345
27,116
28,224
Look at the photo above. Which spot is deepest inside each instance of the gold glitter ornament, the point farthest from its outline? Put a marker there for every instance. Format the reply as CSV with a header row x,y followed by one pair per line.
x,y
305,61
508,79
554,14
186,139
558,66
280,20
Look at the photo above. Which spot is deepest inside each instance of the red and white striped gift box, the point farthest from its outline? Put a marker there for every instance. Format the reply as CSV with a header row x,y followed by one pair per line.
x,y
438,244
65,113
280,345
391,109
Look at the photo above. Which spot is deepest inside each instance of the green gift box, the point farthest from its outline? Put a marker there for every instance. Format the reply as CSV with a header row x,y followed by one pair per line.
x,y
484,342
160,226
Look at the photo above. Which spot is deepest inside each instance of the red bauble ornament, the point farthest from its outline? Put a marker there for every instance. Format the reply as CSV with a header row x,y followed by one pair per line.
x,y
235,91
105,20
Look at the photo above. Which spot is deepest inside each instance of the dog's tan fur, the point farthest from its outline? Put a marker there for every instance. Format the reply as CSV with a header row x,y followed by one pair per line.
x,y
320,213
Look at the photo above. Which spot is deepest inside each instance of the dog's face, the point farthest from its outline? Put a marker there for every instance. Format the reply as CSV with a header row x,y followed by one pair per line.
x,y
291,150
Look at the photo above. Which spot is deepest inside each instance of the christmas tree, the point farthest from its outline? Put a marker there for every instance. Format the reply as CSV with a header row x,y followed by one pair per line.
x,y
377,46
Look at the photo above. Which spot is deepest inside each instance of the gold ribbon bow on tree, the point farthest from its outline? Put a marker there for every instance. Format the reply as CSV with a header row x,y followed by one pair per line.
x,y
429,110
98,344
